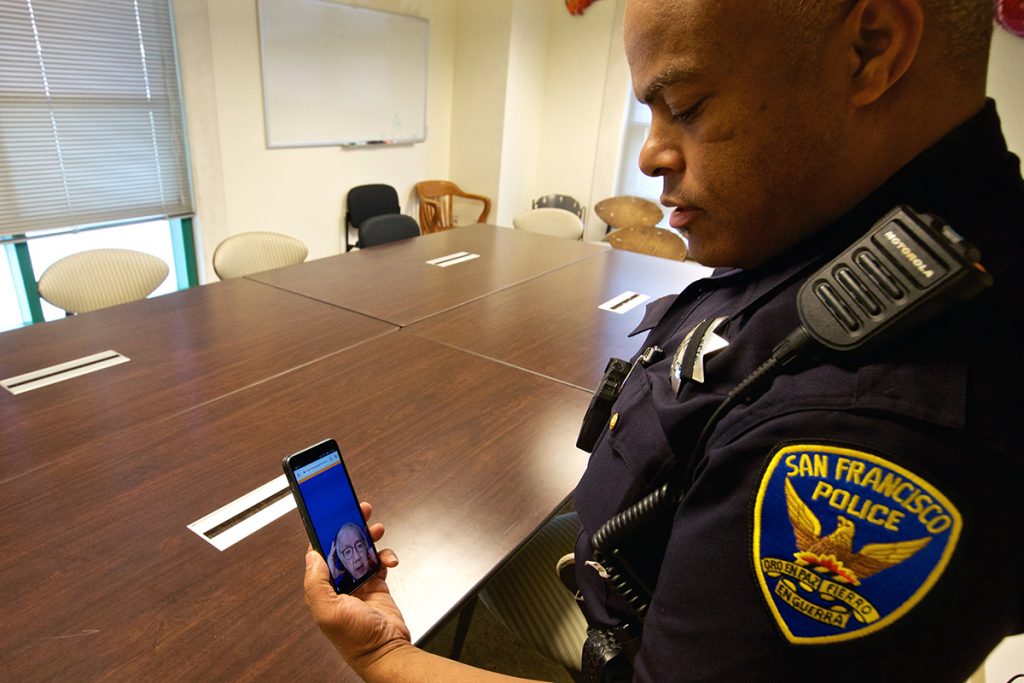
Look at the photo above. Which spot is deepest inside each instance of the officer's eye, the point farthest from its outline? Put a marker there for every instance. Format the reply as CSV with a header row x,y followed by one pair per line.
x,y
690,113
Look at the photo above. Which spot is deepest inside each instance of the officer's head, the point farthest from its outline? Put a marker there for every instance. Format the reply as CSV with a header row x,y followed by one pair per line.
x,y
772,117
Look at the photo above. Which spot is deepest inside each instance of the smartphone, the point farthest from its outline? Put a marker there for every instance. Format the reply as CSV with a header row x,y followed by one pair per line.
x,y
330,512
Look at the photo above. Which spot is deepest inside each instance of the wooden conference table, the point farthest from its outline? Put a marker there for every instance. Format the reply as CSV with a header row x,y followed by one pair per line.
x,y
185,348
552,325
463,456
396,283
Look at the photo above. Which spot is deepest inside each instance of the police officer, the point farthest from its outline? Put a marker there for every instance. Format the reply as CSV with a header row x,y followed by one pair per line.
x,y
857,519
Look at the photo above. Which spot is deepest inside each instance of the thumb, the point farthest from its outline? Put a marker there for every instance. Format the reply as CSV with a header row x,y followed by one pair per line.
x,y
318,577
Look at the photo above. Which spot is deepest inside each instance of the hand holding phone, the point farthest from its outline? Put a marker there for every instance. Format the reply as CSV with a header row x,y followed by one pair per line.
x,y
330,512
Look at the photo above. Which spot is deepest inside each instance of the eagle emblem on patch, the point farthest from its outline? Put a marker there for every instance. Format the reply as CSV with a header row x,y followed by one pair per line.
x,y
846,542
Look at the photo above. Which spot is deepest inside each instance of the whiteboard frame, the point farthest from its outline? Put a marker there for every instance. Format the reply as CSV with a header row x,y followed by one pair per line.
x,y
342,142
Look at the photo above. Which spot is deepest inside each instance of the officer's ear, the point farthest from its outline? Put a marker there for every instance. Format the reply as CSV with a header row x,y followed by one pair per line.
x,y
882,38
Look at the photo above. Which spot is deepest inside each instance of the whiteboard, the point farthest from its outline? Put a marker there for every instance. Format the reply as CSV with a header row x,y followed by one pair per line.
x,y
335,74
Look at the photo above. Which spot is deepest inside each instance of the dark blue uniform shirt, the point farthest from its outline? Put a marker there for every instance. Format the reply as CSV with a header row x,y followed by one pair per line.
x,y
860,519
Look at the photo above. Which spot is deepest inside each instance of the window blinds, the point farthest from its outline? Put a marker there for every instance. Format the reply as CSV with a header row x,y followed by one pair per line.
x,y
90,114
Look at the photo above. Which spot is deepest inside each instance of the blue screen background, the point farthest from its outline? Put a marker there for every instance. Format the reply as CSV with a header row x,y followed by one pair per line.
x,y
330,504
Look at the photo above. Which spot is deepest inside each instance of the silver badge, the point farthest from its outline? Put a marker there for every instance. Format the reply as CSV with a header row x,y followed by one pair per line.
x,y
700,342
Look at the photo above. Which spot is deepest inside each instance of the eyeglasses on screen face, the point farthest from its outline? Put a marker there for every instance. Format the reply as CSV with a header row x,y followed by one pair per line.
x,y
349,551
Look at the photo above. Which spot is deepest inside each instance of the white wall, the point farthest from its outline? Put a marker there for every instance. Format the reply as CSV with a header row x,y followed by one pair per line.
x,y
582,48
478,105
618,91
240,184
523,100
1006,86
1004,663
538,103
524,110
518,106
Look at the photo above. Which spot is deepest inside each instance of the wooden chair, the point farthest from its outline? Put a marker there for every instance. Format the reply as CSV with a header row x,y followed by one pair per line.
x,y
650,240
436,198
99,278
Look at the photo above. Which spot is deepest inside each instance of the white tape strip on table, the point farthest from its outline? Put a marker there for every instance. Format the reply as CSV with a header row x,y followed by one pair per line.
x,y
228,525
624,302
64,371
452,259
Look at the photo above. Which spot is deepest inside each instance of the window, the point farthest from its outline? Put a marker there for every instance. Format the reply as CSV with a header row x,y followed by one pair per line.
x,y
11,313
631,181
91,126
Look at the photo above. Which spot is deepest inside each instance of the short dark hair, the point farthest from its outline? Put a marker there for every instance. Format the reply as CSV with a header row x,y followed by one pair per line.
x,y
964,27
966,30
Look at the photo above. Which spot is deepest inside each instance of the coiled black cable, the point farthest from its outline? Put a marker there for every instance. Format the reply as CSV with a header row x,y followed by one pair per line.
x,y
660,505
627,583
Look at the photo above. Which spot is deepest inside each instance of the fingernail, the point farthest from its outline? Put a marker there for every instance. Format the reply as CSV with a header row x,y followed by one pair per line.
x,y
310,559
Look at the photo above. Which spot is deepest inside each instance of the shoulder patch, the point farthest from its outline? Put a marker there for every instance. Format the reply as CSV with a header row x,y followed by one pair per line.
x,y
845,542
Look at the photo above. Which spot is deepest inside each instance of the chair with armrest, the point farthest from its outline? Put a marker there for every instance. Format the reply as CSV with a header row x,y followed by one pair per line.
x,y
367,201
550,221
387,228
436,199
561,201
254,252
100,278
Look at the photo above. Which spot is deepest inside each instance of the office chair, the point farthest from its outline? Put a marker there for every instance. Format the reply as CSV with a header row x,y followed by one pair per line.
x,y
650,240
254,252
528,597
550,221
100,278
367,201
436,198
561,201
387,228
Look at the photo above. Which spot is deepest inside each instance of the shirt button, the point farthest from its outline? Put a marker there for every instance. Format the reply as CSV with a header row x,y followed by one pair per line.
x,y
612,422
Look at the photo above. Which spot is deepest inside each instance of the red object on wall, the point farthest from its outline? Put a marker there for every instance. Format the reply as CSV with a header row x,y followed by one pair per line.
x,y
576,7
1010,15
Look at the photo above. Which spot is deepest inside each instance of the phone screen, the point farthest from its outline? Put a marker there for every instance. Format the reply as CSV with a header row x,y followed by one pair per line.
x,y
330,512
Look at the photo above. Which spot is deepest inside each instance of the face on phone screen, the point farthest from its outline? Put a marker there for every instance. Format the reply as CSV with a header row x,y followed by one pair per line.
x,y
333,512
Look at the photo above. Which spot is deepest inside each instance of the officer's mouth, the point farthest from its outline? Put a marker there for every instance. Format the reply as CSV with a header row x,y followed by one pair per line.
x,y
682,216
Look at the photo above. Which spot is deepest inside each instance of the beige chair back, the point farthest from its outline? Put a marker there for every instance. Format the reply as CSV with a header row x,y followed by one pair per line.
x,y
650,240
254,252
628,212
553,222
99,278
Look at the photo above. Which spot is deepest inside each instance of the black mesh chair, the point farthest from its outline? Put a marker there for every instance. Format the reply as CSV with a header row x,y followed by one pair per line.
x,y
367,201
387,228
561,201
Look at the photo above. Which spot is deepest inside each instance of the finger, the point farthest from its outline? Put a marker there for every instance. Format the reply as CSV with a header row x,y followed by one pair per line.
x,y
376,531
367,510
388,558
